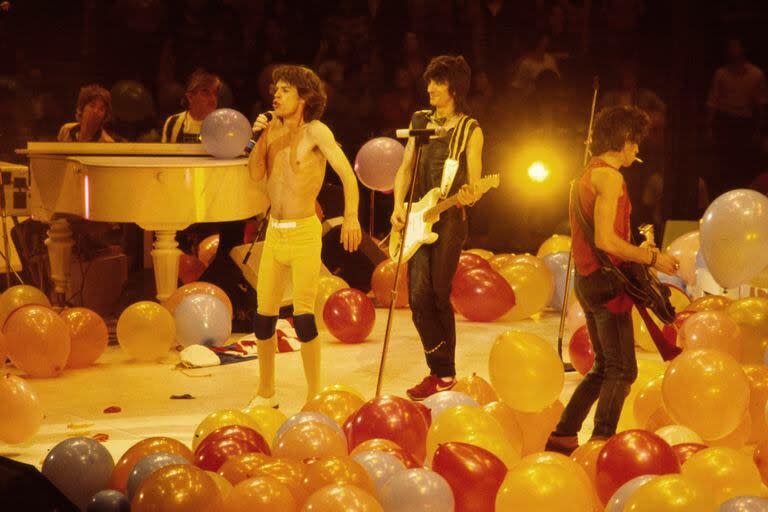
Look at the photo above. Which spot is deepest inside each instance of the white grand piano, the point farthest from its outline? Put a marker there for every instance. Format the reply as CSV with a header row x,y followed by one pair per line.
x,y
163,188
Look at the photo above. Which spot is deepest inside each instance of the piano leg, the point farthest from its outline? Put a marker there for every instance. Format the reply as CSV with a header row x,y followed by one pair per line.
x,y
59,245
165,258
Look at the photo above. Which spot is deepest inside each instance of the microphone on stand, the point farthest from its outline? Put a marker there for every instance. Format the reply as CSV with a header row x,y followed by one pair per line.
x,y
405,133
252,143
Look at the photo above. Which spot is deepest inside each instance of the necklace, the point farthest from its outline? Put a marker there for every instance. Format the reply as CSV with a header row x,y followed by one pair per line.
x,y
440,121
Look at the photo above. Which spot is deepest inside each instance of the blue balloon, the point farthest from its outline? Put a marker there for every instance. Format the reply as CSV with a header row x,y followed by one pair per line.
x,y
225,133
109,501
79,467
744,504
202,319
557,263
700,263
673,280
148,465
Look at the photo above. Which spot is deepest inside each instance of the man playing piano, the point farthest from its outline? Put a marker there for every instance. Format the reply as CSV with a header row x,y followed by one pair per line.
x,y
292,153
94,109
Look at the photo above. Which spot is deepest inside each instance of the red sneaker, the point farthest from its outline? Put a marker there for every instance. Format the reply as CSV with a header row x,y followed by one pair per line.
x,y
429,386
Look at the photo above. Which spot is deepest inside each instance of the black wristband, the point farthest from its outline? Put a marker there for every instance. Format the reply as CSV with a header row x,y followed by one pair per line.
x,y
654,255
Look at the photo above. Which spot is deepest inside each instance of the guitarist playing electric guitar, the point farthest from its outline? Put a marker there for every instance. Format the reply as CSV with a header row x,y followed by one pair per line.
x,y
452,163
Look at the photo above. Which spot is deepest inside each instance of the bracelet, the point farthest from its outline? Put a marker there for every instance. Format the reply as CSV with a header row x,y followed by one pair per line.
x,y
654,255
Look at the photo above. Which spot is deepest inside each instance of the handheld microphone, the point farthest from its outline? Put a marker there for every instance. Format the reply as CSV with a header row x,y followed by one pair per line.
x,y
405,133
252,143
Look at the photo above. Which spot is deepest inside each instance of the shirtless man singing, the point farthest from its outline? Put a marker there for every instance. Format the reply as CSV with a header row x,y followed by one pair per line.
x,y
292,153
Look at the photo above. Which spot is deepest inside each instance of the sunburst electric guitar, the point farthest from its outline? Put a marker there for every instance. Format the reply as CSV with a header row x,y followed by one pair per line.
x,y
424,214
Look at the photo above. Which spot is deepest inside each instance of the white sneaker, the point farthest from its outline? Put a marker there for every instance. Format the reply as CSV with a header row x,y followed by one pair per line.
x,y
262,401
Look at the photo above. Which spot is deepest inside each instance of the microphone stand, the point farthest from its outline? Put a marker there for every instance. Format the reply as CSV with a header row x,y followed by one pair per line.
x,y
419,140
568,367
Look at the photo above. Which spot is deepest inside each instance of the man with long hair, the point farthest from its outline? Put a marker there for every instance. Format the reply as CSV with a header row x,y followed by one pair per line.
x,y
201,98
431,268
604,202
292,153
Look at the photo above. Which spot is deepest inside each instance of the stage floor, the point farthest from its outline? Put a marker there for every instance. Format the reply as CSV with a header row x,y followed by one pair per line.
x,y
75,402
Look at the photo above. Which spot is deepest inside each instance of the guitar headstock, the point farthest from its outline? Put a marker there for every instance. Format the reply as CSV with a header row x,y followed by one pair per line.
x,y
488,182
647,232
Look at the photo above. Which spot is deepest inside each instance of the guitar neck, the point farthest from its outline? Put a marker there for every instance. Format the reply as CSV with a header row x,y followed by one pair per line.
x,y
445,204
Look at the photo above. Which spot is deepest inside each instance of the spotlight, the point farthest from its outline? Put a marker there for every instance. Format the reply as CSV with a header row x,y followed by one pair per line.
x,y
538,172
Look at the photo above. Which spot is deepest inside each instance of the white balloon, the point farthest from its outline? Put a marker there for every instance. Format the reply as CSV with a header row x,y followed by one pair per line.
x,y
678,434
623,493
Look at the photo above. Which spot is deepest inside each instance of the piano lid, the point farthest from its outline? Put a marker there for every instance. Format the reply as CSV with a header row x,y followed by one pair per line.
x,y
113,149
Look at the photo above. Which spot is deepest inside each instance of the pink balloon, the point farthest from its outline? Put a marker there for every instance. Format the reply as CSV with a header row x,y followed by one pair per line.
x,y
711,329
684,248
377,162
575,318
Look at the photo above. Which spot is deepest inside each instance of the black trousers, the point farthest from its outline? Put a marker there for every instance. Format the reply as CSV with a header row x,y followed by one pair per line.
x,y
430,273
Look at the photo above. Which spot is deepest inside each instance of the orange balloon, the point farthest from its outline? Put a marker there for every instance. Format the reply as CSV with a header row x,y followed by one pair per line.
x,y
527,258
206,250
195,288
342,387
754,343
649,410
337,405
3,350
310,440
709,303
289,473
38,341
533,286
476,387
586,457
751,311
88,335
146,331
757,375
498,261
342,498
22,412
243,466
736,439
222,483
179,487
260,494
536,426
710,329
383,278
20,295
760,457
334,471
119,479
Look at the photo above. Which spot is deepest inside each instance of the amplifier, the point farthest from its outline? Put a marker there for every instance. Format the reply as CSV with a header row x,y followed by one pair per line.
x,y
14,179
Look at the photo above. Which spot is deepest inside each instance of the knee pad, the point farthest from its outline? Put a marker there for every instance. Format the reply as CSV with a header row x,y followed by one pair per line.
x,y
305,327
264,326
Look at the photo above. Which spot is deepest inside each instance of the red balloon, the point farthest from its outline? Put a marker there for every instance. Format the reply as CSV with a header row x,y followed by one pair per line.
x,y
349,315
468,261
481,294
225,442
426,411
393,418
207,249
580,350
190,268
474,474
684,451
629,454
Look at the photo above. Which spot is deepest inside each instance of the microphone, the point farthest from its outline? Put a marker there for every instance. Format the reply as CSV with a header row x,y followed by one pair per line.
x,y
405,133
252,143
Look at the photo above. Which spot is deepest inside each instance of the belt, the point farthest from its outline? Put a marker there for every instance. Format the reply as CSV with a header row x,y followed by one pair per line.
x,y
282,224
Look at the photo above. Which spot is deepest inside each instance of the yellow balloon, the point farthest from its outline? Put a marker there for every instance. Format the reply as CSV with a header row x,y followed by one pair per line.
x,y
525,371
486,255
223,418
222,483
474,426
706,390
754,343
20,295
586,457
533,287
337,405
555,243
648,408
670,493
343,387
751,311
267,419
326,286
536,426
146,331
758,397
504,414
647,370
736,439
725,472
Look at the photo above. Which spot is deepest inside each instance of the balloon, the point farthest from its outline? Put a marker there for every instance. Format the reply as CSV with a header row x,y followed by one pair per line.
x,y
417,490
377,162
629,454
3,350
149,465
650,413
525,371
671,280
745,504
131,101
225,132
393,418
474,474
586,457
476,387
88,336
725,472
243,466
38,341
380,466
533,287
669,492
678,434
647,370
684,248
20,295
342,387
119,478
574,317
22,412
760,458
623,493
190,268
260,494
223,418
327,286
734,236
684,451
305,417
443,400
580,350
554,244
222,483
750,311
349,315
383,278
206,250
387,446
79,467
202,320
224,442
337,405
196,288
481,294
468,261
483,253
707,391
508,419
108,501
180,488
341,498
266,420
557,263
711,329
336,470
499,260
529,259
289,473
146,331
736,439
472,425
310,440
709,303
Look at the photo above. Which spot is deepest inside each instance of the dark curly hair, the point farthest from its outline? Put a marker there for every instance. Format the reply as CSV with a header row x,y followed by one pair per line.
x,y
456,73
308,84
616,125
91,92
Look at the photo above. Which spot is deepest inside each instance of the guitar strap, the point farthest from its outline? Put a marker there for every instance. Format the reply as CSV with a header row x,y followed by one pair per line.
x,y
456,147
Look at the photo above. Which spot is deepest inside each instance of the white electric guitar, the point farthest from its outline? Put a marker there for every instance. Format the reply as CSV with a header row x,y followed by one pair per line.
x,y
424,214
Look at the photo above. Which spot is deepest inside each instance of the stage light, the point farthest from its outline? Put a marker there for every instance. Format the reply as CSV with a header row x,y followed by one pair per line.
x,y
538,171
